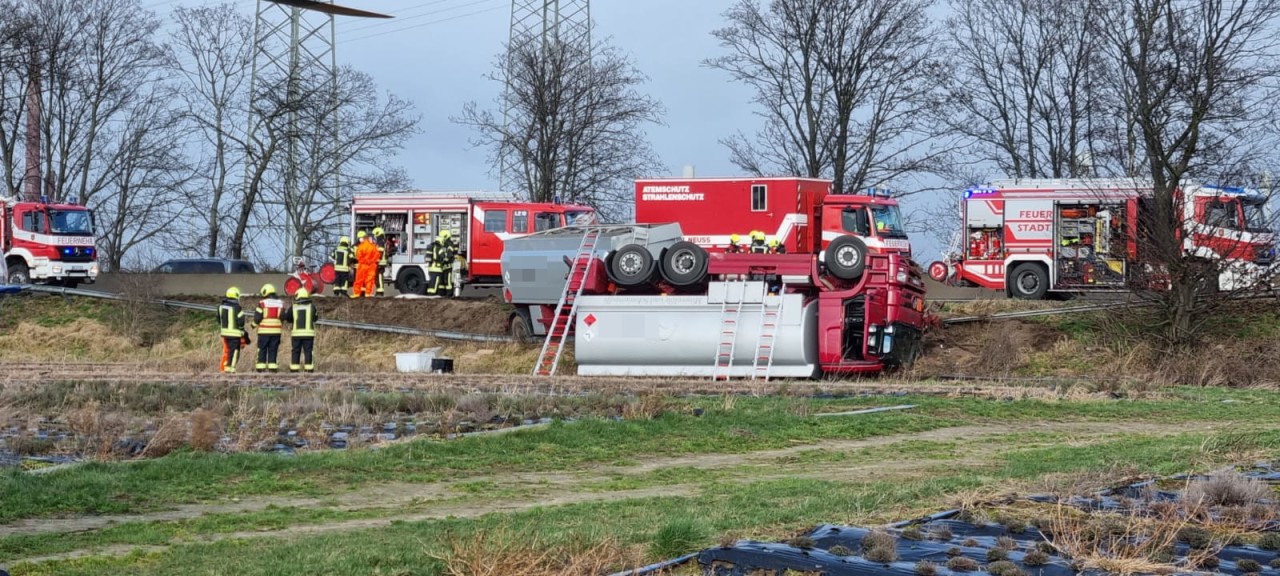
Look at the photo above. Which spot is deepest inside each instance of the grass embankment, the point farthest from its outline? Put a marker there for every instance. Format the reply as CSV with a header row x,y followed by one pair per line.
x,y
617,492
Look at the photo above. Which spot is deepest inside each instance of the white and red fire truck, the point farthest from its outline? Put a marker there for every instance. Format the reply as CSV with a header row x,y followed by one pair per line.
x,y
1033,237
709,210
479,223
47,243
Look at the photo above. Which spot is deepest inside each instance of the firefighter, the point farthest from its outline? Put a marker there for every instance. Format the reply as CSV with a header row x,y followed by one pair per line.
x,y
366,267
757,242
441,268
342,260
302,316
380,240
267,319
776,247
734,246
231,328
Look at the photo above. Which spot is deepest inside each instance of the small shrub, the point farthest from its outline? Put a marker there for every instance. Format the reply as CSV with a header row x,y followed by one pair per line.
x,y
954,551
1248,565
1269,541
677,537
1194,536
1164,555
969,542
205,431
839,550
1208,562
801,542
962,564
1014,525
926,568
1227,488
1045,547
880,546
997,554
912,533
1006,543
1035,558
1275,563
1004,568
942,532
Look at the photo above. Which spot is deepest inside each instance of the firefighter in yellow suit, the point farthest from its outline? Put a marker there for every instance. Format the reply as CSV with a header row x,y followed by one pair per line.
x,y
267,319
231,328
441,267
380,239
302,337
343,257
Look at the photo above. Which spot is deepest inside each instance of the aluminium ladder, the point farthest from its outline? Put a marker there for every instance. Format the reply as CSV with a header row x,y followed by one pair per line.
x,y
730,314
566,309
770,318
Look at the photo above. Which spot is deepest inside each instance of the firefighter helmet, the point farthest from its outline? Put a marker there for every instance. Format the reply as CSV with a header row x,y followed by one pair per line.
x,y
360,235
773,243
267,290
377,232
733,238
344,241
301,294
233,293
757,236
445,235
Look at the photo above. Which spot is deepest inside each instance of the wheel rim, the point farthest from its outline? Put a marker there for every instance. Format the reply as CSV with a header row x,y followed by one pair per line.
x,y
1028,283
519,330
684,262
630,264
847,257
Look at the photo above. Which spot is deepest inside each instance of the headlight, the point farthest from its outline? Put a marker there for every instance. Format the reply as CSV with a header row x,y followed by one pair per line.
x,y
57,269
902,276
93,270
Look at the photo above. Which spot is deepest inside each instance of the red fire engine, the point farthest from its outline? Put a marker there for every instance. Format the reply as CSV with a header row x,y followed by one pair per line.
x,y
709,210
479,224
47,243
1032,237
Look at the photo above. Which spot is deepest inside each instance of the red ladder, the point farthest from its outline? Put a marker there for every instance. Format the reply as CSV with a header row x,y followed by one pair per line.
x,y
567,308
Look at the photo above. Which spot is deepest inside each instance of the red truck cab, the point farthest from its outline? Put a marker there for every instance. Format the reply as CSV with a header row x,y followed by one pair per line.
x,y
48,243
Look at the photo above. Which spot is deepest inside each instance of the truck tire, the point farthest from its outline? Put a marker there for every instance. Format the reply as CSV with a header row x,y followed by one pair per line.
x,y
411,281
847,257
19,274
1028,282
684,264
520,326
631,266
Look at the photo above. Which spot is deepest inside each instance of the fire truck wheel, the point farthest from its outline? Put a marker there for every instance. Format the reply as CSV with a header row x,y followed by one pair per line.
x,y
684,264
19,274
631,265
847,257
1029,282
520,326
411,281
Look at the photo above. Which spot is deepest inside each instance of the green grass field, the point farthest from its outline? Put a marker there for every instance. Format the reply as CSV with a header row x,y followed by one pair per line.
x,y
601,493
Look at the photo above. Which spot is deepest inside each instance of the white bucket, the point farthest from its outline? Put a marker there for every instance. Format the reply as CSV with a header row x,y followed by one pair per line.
x,y
415,361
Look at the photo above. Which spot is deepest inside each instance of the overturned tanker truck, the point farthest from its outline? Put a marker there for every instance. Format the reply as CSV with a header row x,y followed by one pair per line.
x,y
640,301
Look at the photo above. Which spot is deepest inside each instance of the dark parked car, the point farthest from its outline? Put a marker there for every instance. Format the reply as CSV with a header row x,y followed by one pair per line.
x,y
205,266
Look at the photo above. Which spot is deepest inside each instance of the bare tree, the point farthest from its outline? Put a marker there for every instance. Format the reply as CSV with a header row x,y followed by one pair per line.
x,y
572,124
1194,75
1026,93
213,49
844,87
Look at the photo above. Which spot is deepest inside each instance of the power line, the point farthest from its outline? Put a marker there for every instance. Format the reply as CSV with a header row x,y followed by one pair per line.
x,y
424,24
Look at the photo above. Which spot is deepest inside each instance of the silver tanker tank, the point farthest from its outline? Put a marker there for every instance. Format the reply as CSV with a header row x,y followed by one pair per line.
x,y
678,335
534,268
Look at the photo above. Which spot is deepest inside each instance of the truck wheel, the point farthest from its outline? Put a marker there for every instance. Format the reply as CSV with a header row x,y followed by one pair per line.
x,y
411,281
19,274
847,257
631,265
1029,282
521,326
684,264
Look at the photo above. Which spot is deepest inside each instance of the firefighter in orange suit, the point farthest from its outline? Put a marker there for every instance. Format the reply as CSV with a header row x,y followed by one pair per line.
x,y
231,328
267,319
366,268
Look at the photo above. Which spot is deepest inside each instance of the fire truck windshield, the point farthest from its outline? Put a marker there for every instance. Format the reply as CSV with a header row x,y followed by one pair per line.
x,y
71,222
1256,218
888,221
580,218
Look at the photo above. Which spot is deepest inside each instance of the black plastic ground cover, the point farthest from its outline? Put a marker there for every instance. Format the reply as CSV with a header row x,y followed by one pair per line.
x,y
939,538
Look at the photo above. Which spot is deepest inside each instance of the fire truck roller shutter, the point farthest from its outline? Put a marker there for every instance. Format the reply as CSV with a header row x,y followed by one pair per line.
x,y
684,264
631,266
846,257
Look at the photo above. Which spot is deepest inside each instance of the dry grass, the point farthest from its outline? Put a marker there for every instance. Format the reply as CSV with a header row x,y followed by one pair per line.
x,y
505,551
1228,488
880,546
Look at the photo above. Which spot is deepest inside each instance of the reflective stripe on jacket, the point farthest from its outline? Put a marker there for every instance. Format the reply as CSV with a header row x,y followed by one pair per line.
x,y
231,319
268,316
303,317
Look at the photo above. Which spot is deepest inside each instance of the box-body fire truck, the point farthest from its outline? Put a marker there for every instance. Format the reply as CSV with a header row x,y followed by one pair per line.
x,y
709,210
1033,237
640,300
480,223
47,243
